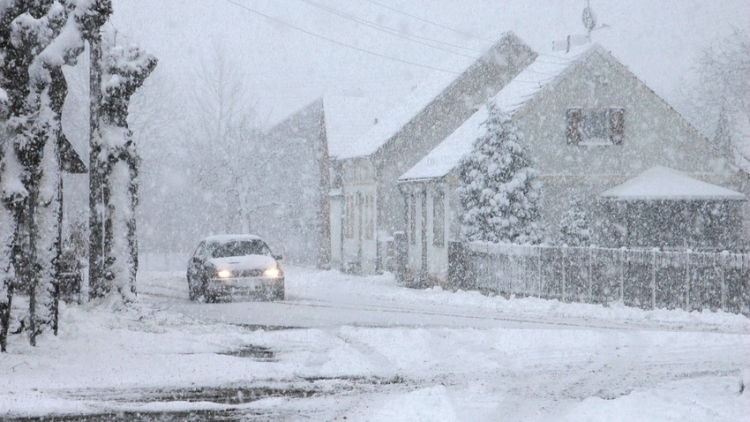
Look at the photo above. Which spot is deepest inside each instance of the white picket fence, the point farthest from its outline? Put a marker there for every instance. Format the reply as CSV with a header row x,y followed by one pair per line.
x,y
647,279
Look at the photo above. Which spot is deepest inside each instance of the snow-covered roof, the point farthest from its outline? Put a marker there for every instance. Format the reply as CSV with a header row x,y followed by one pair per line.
x,y
407,107
532,80
348,117
663,183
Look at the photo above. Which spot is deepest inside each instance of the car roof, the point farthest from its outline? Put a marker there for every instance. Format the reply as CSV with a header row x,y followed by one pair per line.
x,y
224,238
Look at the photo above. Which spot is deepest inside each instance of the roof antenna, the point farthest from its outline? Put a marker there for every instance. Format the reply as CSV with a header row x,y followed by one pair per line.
x,y
589,19
589,22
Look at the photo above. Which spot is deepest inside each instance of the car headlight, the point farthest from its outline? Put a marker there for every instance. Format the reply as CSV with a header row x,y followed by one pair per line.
x,y
224,274
272,272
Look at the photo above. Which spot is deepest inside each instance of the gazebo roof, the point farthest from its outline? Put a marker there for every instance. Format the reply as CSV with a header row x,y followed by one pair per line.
x,y
665,184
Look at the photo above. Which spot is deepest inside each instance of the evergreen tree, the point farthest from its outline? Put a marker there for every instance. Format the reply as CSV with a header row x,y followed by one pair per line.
x,y
574,227
500,191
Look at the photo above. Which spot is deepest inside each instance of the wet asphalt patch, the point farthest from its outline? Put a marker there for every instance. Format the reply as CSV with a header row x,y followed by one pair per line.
x,y
254,352
226,396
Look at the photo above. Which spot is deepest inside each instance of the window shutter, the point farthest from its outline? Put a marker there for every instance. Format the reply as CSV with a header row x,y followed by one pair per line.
x,y
617,125
575,118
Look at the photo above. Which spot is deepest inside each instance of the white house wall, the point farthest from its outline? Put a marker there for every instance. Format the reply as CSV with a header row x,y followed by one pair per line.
x,y
337,233
292,202
359,190
436,259
437,255
414,234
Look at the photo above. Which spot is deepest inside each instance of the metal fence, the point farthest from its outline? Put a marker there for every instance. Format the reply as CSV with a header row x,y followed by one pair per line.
x,y
647,279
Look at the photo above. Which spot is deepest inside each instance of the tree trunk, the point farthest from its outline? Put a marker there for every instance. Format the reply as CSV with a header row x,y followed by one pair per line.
x,y
125,71
7,242
97,285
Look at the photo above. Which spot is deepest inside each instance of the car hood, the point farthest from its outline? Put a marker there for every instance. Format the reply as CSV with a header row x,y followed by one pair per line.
x,y
241,263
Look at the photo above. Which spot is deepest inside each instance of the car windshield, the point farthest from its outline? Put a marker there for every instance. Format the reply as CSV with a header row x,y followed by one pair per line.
x,y
238,248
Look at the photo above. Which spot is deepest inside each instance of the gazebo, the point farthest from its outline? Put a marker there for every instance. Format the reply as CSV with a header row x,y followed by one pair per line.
x,y
668,209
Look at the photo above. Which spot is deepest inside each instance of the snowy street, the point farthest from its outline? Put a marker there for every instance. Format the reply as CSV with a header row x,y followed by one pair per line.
x,y
364,348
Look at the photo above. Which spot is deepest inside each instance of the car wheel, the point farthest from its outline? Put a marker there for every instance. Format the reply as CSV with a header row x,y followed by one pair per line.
x,y
278,294
193,292
208,297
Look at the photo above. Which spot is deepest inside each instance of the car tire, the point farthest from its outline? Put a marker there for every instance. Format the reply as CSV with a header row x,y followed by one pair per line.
x,y
278,294
193,292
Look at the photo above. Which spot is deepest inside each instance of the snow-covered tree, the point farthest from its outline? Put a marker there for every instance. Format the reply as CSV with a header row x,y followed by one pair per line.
x,y
500,191
718,102
124,70
225,143
37,39
574,226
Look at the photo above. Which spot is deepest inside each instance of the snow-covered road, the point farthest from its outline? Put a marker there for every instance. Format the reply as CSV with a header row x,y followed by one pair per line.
x,y
317,299
366,349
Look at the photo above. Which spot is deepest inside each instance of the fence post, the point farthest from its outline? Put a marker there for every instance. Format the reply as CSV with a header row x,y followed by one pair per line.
x,y
591,258
687,280
563,250
539,259
653,278
724,264
622,275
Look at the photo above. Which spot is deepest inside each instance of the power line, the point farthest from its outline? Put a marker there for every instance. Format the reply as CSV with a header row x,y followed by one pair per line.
x,y
362,50
466,34
392,31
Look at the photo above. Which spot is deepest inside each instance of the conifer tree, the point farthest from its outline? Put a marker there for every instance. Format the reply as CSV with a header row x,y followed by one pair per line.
x,y
574,227
500,191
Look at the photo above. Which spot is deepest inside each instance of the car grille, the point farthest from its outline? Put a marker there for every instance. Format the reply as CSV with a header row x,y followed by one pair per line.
x,y
248,273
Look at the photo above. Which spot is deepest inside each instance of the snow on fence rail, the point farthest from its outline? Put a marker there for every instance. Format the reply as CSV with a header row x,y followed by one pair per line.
x,y
648,279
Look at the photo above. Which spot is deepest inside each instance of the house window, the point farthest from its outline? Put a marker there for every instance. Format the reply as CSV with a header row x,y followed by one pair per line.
x,y
595,126
438,220
369,217
413,220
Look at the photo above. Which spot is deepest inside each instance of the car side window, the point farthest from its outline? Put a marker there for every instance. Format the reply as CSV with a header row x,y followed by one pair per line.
x,y
265,250
199,250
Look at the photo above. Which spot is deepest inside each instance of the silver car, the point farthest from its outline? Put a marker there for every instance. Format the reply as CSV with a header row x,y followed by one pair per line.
x,y
225,267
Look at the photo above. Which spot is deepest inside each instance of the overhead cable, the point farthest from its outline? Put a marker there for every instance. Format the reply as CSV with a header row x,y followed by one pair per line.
x,y
362,50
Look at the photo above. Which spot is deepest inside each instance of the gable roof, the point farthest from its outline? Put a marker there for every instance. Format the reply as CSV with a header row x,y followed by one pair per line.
x,y
663,183
545,70
347,118
411,105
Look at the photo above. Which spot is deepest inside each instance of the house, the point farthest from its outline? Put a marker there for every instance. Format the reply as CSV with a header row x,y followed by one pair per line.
x,y
589,125
290,209
293,205
366,206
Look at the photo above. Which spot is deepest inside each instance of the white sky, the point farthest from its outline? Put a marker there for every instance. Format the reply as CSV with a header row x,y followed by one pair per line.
x,y
285,68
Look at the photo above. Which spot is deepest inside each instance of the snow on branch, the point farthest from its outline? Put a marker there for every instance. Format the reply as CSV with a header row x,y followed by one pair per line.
x,y
124,70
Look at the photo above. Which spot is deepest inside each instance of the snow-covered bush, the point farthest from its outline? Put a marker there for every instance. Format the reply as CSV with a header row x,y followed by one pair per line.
x,y
574,227
500,191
